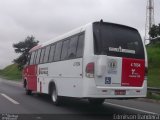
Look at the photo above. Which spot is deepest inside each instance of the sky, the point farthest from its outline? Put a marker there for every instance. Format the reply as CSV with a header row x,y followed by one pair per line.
x,y
47,19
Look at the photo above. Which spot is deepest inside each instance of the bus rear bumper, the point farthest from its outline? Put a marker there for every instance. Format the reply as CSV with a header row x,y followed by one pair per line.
x,y
116,92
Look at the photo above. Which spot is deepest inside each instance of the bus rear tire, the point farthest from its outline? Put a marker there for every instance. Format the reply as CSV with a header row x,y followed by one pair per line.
x,y
28,92
54,96
96,101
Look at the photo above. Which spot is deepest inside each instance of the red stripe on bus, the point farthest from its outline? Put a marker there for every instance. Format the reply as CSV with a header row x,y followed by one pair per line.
x,y
31,77
133,71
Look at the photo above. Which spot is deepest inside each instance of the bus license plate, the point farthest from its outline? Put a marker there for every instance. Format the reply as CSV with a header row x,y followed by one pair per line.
x,y
120,92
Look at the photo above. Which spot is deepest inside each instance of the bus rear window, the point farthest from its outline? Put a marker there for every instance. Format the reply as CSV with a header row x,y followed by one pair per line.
x,y
117,40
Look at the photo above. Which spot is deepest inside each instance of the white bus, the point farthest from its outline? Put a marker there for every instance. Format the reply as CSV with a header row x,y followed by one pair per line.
x,y
97,61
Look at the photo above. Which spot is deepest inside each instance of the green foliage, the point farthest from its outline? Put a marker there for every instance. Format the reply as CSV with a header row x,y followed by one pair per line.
x,y
11,72
23,48
153,51
155,32
154,77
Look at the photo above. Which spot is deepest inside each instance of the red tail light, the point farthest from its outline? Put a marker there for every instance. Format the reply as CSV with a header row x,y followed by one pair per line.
x,y
90,70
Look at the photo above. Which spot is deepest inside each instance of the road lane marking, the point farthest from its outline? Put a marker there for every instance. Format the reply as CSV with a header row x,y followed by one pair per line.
x,y
10,99
130,108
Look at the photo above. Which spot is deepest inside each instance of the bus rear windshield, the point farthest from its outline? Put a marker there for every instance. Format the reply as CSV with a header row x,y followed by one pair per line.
x,y
117,40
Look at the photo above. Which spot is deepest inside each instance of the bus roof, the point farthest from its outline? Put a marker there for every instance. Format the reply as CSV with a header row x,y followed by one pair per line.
x,y
68,34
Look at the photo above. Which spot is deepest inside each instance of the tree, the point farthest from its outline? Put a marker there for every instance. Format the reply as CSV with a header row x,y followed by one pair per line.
x,y
23,48
155,32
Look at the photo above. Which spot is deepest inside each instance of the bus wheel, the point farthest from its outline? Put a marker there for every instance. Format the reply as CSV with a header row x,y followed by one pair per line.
x,y
54,95
96,101
28,92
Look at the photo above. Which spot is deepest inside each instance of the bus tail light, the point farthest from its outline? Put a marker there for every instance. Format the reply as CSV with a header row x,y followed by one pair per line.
x,y
90,70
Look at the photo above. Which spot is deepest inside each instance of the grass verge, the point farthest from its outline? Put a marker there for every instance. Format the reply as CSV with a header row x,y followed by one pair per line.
x,y
11,72
153,51
153,96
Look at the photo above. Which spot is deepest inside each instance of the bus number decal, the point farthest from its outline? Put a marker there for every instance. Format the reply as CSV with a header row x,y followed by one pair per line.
x,y
76,64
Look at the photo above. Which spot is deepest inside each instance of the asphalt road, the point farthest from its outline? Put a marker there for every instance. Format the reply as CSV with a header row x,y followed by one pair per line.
x,y
14,101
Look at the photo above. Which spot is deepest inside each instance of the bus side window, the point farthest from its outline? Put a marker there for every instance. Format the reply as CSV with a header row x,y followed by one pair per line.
x,y
38,56
46,54
35,56
80,46
65,50
58,51
72,47
32,58
51,53
42,55
28,59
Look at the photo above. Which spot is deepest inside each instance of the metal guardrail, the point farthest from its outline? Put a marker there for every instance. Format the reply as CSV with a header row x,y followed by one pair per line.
x,y
153,90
